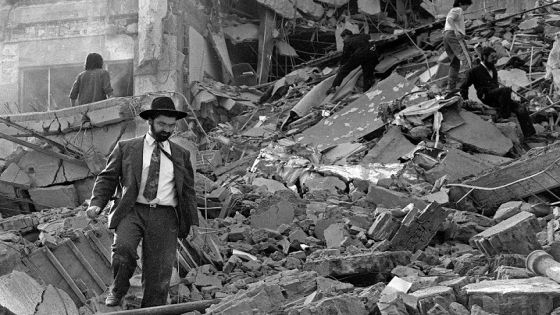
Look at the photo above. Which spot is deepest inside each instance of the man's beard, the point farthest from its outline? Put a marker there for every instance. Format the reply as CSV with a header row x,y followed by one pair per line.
x,y
160,136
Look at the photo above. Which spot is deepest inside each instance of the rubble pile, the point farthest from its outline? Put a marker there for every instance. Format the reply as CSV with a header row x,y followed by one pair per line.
x,y
394,200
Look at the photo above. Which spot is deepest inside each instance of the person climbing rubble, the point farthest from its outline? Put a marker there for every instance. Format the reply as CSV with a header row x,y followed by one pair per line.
x,y
93,84
158,204
454,41
485,79
357,51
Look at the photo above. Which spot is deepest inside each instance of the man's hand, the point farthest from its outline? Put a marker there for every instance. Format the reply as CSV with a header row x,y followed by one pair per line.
x,y
93,212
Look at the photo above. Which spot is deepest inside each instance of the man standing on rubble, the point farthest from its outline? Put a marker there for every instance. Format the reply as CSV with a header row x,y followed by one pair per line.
x,y
157,203
357,51
453,39
485,79
93,84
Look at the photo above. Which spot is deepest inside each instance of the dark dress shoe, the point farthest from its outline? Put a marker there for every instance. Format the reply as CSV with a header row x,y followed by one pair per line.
x,y
113,299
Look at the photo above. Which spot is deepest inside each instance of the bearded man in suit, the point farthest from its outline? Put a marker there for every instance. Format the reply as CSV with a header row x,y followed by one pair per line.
x,y
157,204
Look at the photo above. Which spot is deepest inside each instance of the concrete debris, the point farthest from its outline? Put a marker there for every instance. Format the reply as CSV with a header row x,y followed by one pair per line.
x,y
481,135
398,199
514,235
535,295
21,294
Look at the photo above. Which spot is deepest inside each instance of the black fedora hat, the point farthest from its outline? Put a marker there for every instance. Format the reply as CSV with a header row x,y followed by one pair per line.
x,y
163,106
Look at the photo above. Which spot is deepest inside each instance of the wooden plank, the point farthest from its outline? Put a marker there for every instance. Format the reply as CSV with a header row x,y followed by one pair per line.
x,y
266,43
543,159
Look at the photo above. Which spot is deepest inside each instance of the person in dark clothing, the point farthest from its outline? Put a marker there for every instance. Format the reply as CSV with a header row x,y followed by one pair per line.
x,y
357,51
485,79
93,84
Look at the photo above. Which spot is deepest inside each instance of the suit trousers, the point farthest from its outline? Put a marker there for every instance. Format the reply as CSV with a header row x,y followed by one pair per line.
x,y
500,99
157,227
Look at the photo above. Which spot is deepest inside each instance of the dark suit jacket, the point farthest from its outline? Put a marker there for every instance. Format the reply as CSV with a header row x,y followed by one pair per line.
x,y
124,168
355,46
483,82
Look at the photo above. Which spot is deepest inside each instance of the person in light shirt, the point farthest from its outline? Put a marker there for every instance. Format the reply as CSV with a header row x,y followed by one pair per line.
x,y
157,204
453,34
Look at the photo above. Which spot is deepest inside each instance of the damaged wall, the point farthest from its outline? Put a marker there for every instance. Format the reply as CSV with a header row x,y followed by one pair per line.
x,y
41,36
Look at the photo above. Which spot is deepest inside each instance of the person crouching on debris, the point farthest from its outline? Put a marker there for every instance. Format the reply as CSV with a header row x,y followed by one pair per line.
x,y
357,51
485,79
453,34
157,204
93,84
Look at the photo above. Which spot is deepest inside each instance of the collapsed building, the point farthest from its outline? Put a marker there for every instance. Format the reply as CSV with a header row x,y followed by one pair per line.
x,y
387,201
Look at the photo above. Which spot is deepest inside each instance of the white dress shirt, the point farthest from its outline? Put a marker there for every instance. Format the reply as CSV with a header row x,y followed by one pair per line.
x,y
166,195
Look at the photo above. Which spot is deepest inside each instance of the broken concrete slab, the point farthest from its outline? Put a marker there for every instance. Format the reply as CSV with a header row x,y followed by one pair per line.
x,y
369,7
529,165
278,214
338,154
530,23
392,199
315,182
43,170
102,113
285,9
418,228
493,159
390,148
358,118
335,234
21,294
537,295
516,235
270,184
480,135
54,196
429,297
514,78
384,227
10,255
508,210
56,301
313,98
362,263
311,8
456,165
336,305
